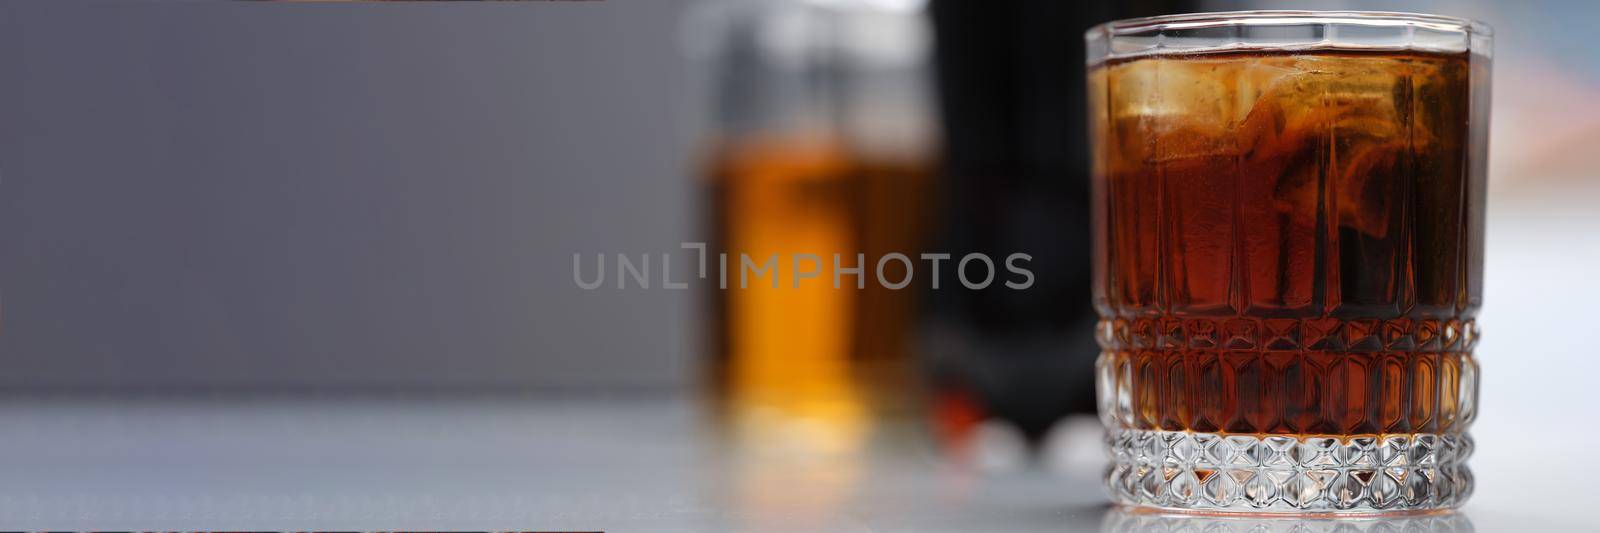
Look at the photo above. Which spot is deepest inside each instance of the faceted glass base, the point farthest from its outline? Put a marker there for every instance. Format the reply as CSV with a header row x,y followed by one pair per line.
x,y
1186,471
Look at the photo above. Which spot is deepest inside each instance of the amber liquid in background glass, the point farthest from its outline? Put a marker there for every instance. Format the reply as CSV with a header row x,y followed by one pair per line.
x,y
813,350
1289,243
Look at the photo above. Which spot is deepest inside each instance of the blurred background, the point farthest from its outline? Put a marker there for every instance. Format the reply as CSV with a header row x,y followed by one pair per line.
x,y
224,224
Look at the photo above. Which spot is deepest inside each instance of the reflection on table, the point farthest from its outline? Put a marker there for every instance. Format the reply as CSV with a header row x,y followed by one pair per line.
x,y
1118,520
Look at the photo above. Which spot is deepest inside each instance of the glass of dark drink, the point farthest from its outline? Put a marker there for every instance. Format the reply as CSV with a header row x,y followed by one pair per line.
x,y
1288,233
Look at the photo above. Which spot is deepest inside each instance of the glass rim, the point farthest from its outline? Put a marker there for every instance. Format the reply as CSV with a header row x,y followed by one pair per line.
x,y
1278,17
1197,33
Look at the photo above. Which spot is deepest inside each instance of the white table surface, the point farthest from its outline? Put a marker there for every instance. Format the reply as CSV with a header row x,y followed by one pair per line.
x,y
641,464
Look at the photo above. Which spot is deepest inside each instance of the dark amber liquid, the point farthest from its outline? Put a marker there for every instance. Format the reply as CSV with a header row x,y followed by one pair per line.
x,y
1289,243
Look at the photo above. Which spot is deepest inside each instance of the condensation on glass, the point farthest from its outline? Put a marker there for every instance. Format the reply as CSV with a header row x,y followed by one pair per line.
x,y
1289,221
